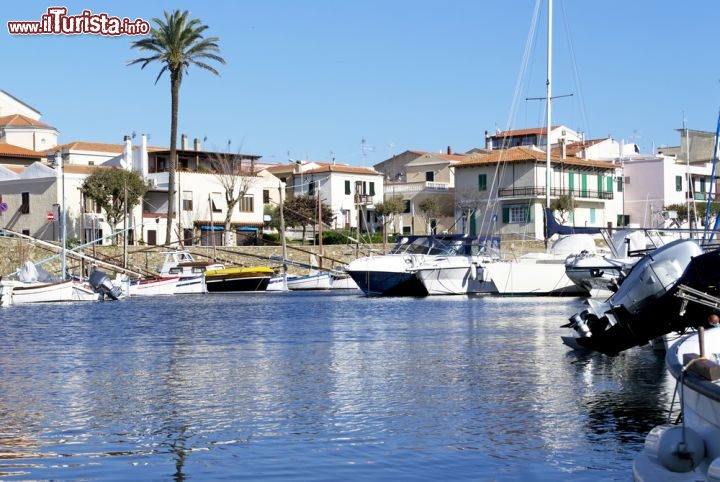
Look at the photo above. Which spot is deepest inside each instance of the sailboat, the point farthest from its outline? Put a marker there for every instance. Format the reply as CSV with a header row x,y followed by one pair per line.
x,y
542,273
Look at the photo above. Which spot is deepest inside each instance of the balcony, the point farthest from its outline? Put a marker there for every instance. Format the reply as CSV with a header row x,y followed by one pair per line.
x,y
401,188
536,191
363,199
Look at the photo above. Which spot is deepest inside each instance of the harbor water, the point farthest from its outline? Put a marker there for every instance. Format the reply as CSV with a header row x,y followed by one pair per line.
x,y
317,386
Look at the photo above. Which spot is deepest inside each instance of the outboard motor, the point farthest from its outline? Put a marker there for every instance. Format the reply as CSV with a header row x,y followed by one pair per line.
x,y
103,286
645,306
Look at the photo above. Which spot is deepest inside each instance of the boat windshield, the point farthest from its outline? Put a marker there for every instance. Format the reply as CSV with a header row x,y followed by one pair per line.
x,y
428,245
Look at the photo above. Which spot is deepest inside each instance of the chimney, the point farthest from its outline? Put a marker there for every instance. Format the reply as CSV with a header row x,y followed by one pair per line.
x,y
449,151
563,148
196,143
126,161
184,142
488,141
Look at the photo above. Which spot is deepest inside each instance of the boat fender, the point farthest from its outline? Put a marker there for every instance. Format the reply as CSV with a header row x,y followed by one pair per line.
x,y
713,472
677,448
473,271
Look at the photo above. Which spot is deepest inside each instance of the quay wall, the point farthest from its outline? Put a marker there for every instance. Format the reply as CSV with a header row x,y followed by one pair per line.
x,y
148,259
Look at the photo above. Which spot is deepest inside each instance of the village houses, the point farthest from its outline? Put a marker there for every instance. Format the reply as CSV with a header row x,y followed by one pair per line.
x,y
497,189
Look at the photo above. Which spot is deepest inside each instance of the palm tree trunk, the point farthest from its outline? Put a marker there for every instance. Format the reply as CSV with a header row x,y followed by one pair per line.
x,y
172,167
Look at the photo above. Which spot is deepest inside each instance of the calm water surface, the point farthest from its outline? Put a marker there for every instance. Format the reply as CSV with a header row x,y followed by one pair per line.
x,y
317,386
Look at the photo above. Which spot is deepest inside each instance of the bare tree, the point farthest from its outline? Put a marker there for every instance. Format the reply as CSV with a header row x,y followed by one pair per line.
x,y
236,176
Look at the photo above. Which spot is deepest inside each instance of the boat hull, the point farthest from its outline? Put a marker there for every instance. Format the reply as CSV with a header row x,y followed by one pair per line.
x,y
159,287
453,276
312,282
388,283
63,291
531,278
700,399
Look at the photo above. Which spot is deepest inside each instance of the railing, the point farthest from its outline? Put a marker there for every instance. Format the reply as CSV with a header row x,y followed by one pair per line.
x,y
532,191
414,187
363,199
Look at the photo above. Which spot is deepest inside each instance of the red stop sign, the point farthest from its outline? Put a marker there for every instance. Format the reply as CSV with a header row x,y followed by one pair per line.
x,y
50,216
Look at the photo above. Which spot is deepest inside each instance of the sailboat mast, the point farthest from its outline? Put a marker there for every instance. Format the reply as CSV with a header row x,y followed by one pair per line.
x,y
548,98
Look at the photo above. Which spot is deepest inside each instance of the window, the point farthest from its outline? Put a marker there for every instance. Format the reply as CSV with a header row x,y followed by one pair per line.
x,y
372,189
592,215
406,210
429,176
187,201
25,203
678,183
609,183
347,187
482,182
215,202
247,204
266,196
620,185
702,184
517,214
311,188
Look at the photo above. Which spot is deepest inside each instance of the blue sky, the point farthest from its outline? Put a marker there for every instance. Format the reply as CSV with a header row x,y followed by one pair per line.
x,y
311,79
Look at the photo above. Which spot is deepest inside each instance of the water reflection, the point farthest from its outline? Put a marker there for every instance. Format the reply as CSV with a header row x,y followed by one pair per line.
x,y
312,386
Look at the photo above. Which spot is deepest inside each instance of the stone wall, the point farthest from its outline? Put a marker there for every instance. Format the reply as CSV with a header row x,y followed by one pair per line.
x,y
148,259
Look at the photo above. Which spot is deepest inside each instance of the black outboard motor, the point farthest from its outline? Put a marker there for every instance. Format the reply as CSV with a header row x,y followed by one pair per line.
x,y
645,306
103,286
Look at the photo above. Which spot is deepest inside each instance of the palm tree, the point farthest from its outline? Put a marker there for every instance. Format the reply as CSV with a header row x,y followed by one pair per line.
x,y
176,43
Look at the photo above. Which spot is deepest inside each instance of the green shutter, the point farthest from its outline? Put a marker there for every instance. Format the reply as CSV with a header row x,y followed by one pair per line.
x,y
678,183
482,182
583,185
506,214
608,183
347,187
599,183
571,181
372,188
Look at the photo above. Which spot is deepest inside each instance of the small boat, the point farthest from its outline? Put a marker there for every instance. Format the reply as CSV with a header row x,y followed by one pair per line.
x,y
237,279
689,449
152,287
341,280
181,264
317,281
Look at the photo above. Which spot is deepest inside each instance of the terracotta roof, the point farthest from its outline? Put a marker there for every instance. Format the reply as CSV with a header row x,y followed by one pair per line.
x,y
447,157
522,132
20,120
95,147
81,168
329,168
524,154
17,151
573,148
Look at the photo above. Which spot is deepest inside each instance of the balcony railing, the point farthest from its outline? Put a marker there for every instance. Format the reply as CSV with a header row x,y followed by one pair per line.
x,y
533,191
365,199
415,187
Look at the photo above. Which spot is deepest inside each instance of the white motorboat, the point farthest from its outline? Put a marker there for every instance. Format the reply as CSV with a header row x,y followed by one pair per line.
x,y
181,264
454,275
600,273
395,273
540,273
688,450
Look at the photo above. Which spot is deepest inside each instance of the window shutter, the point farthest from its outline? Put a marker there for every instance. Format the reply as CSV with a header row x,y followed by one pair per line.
x,y
506,215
